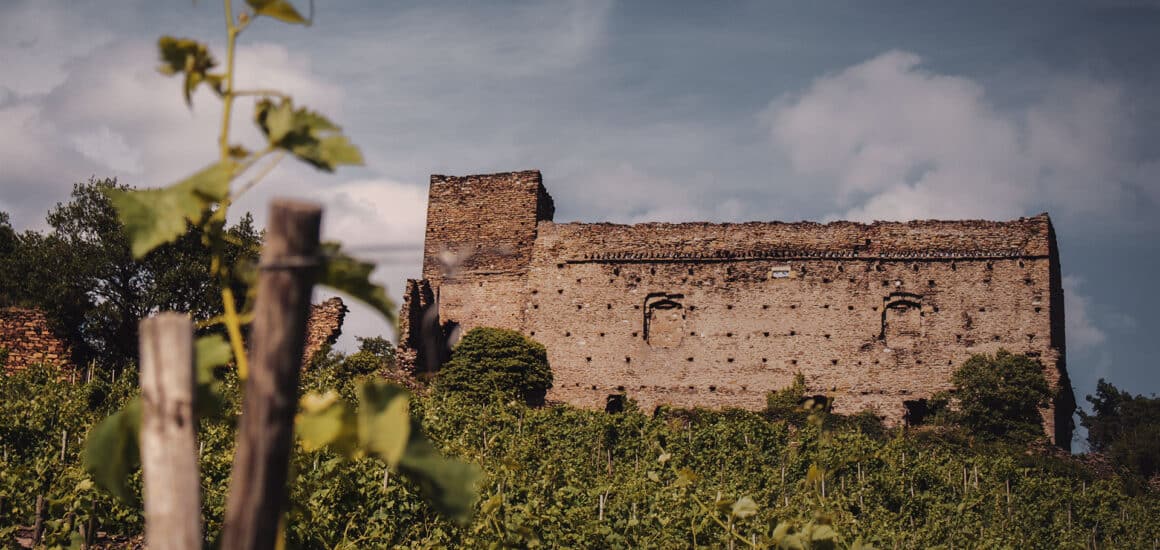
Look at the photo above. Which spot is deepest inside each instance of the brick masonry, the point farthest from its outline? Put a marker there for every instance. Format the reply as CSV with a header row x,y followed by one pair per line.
x,y
26,337
876,316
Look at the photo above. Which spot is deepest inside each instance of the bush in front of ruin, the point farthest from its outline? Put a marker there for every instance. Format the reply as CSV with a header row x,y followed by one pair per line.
x,y
999,396
497,363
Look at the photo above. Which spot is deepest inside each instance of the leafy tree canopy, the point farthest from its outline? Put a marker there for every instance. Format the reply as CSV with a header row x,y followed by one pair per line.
x,y
491,362
1125,427
83,275
1000,396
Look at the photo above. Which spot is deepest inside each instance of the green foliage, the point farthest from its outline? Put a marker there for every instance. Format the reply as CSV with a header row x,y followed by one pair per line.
x,y
278,9
352,277
83,275
112,451
786,403
1000,396
188,57
1126,428
680,479
490,362
153,217
311,137
43,421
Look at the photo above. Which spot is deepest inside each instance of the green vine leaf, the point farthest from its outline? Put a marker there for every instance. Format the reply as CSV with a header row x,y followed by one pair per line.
x,y
153,217
447,484
350,276
278,9
112,452
211,350
326,420
185,55
384,420
311,137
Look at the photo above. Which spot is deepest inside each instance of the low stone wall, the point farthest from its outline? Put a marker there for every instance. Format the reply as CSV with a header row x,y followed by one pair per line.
x,y
27,338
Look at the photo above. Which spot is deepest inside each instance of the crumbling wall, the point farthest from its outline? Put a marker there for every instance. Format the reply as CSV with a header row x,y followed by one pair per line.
x,y
27,338
323,327
876,316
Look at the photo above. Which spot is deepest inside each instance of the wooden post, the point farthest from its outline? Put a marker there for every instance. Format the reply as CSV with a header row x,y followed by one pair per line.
x,y
172,484
288,269
38,524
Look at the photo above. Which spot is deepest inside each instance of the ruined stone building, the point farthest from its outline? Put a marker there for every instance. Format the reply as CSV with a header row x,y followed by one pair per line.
x,y
876,316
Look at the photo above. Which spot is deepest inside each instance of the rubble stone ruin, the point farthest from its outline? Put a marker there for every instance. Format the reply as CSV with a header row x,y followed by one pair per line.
x,y
877,316
27,337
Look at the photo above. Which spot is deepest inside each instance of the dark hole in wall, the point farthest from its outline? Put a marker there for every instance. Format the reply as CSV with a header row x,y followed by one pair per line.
x,y
616,271
820,401
614,403
917,411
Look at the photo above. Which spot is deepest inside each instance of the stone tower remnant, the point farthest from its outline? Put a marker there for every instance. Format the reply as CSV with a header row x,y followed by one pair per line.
x,y
877,316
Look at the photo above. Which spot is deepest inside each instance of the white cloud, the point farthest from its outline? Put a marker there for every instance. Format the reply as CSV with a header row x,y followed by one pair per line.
x,y
381,221
1082,332
897,141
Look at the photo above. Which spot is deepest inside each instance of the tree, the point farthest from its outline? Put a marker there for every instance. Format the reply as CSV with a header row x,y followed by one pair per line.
x,y
1000,396
1125,427
493,362
83,275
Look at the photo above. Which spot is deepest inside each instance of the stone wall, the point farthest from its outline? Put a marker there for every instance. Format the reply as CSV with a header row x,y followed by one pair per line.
x,y
26,337
876,316
323,327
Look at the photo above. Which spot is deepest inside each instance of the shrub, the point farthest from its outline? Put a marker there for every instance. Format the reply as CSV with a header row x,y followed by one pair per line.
x,y
492,362
1000,396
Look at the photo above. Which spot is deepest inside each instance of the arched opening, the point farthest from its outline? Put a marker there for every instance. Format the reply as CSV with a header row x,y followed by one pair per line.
x,y
664,320
901,320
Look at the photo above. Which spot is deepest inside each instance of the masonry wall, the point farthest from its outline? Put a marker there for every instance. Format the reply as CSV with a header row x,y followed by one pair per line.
x,y
877,316
323,327
28,339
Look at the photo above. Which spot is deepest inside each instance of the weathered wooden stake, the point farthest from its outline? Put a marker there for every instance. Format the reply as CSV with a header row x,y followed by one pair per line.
x,y
288,269
38,524
171,480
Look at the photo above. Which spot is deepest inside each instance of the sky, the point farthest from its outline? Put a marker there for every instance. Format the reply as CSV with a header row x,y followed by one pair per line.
x,y
646,111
